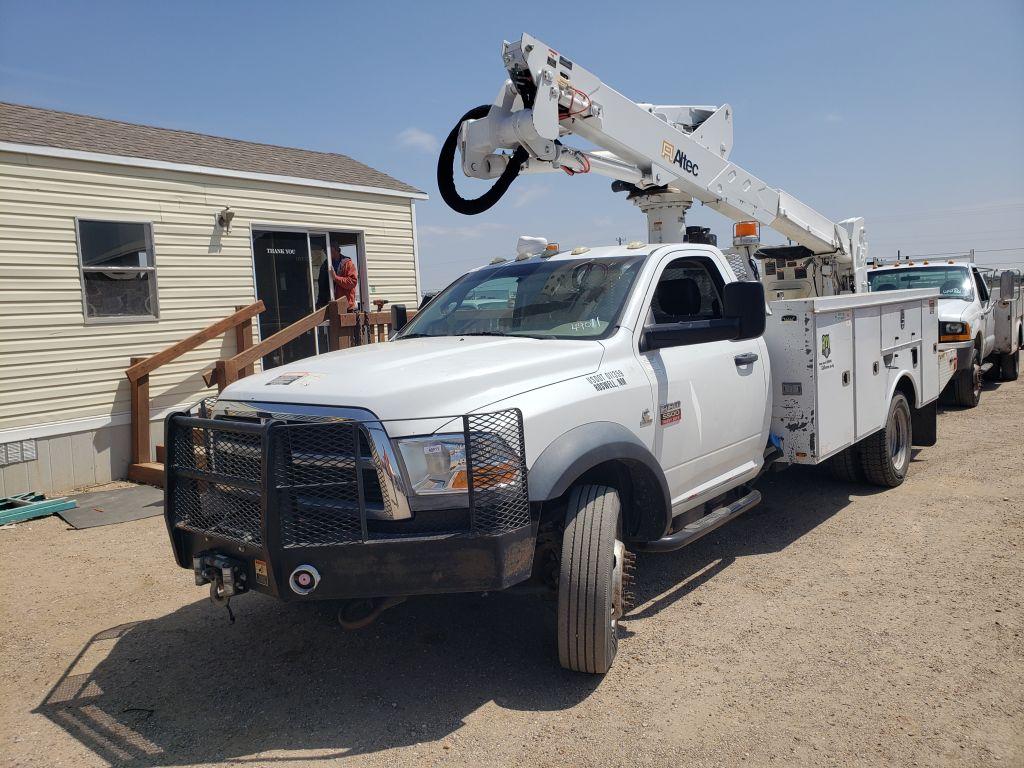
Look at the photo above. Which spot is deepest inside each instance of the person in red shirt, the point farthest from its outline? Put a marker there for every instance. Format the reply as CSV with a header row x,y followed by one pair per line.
x,y
344,275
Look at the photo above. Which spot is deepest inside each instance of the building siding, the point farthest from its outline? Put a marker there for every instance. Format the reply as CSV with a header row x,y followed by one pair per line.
x,y
54,367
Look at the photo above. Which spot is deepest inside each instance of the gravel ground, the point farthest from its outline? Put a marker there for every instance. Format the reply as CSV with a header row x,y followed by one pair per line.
x,y
833,625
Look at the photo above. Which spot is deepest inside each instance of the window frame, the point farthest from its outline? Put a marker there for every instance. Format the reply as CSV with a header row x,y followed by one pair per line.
x,y
711,268
82,269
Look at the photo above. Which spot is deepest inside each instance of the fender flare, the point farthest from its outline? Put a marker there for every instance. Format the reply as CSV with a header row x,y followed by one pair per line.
x,y
582,448
915,401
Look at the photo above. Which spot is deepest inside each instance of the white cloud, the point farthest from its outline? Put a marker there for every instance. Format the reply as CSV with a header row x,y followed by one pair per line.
x,y
418,139
527,195
834,117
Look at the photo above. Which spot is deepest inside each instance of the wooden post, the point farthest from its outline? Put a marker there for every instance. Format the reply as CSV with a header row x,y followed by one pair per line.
x,y
140,417
335,310
243,340
227,373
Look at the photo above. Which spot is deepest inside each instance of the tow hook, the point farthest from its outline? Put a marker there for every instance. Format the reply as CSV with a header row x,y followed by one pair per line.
x,y
226,577
363,611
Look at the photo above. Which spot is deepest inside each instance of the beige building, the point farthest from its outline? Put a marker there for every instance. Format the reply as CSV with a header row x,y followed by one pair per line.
x,y
118,240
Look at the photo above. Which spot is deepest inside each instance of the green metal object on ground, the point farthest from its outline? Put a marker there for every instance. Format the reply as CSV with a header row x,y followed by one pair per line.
x,y
27,506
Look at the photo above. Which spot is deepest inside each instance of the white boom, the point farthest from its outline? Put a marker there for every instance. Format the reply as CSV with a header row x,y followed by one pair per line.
x,y
665,156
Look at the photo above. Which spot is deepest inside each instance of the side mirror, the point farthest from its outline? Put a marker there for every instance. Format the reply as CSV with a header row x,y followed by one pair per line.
x,y
399,317
744,318
1006,285
744,302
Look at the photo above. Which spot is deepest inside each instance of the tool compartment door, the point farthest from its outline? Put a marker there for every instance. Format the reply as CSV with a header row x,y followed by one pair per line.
x,y
870,373
834,359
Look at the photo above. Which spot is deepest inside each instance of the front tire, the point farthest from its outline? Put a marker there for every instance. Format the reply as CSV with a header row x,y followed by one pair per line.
x,y
885,455
967,384
590,593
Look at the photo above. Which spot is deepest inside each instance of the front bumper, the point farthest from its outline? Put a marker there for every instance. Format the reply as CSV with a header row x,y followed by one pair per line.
x,y
964,353
275,495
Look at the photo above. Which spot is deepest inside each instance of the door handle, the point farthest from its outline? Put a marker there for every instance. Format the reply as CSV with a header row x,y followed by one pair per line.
x,y
745,359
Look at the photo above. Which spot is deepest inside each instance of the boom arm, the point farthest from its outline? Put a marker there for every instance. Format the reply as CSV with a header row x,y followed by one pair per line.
x,y
682,148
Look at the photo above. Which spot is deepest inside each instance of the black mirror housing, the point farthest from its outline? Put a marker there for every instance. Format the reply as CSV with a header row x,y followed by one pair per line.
x,y
744,318
399,317
744,302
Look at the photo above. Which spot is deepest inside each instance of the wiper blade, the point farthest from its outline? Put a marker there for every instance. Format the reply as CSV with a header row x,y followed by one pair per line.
x,y
510,335
414,336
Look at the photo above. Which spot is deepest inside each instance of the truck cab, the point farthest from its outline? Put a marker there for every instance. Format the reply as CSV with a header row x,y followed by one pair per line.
x,y
965,315
534,419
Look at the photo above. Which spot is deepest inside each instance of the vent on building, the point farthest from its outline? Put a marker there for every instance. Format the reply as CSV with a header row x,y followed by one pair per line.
x,y
17,452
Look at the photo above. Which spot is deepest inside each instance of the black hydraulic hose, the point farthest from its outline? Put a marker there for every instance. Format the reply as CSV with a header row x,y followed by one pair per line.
x,y
446,171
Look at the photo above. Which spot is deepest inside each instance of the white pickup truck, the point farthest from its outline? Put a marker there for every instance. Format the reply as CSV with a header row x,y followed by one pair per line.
x,y
985,331
619,397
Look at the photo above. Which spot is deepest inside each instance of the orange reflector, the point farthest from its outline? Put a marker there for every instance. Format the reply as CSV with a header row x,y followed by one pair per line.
x,y
552,247
745,229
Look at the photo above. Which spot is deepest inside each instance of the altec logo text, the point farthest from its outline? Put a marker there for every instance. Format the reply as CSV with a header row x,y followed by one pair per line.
x,y
677,156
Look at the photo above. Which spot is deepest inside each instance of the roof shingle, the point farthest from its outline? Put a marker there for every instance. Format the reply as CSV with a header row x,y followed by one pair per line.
x,y
20,124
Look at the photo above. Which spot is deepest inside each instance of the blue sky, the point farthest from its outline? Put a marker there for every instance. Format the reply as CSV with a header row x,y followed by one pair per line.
x,y
908,113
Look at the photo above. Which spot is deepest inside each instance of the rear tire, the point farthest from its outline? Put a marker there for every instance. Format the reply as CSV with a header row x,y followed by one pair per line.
x,y
1009,366
588,606
967,384
845,466
885,455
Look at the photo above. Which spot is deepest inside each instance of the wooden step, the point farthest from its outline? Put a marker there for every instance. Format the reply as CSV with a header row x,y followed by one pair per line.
x,y
161,455
149,473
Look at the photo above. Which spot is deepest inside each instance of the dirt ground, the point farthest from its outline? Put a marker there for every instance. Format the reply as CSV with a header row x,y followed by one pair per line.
x,y
833,625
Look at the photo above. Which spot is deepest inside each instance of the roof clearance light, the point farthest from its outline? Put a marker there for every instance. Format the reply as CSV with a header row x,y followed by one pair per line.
x,y
579,250
746,233
635,244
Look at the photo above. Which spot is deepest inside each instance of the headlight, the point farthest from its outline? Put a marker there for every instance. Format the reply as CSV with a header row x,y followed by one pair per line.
x,y
954,331
435,464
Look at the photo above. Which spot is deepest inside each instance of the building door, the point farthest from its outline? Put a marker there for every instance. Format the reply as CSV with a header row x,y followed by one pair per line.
x,y
284,284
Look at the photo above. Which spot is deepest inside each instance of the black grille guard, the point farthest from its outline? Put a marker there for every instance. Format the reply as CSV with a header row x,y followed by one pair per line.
x,y
264,486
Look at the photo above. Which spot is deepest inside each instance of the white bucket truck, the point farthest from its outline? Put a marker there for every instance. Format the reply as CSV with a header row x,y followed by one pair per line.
x,y
619,398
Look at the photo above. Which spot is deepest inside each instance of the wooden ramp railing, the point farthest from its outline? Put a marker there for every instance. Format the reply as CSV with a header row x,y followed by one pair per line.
x,y
234,368
345,329
143,469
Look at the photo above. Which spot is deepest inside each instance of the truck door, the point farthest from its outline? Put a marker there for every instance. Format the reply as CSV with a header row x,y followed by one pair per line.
x,y
987,317
710,398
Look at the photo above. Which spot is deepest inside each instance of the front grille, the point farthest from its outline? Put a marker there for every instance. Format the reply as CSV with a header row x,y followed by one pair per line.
x,y
218,472
307,483
317,473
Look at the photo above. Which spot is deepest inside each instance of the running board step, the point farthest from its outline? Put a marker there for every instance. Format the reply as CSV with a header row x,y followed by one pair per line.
x,y
986,367
702,527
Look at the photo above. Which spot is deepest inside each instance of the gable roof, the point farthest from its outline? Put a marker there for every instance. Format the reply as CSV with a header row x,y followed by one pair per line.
x,y
24,125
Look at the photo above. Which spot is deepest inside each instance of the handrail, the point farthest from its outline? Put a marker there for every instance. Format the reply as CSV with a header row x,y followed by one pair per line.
x,y
151,363
140,368
334,312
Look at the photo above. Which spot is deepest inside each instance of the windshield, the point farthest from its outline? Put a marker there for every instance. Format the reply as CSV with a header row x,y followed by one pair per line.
x,y
550,299
952,282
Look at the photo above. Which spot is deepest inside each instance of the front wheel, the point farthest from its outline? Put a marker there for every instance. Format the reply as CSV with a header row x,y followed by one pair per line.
x,y
590,586
885,455
967,383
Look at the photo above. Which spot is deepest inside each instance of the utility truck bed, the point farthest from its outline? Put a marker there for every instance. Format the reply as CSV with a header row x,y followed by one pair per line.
x,y
836,361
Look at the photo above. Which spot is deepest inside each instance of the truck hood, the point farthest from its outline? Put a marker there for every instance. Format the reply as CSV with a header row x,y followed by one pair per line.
x,y
953,310
422,378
